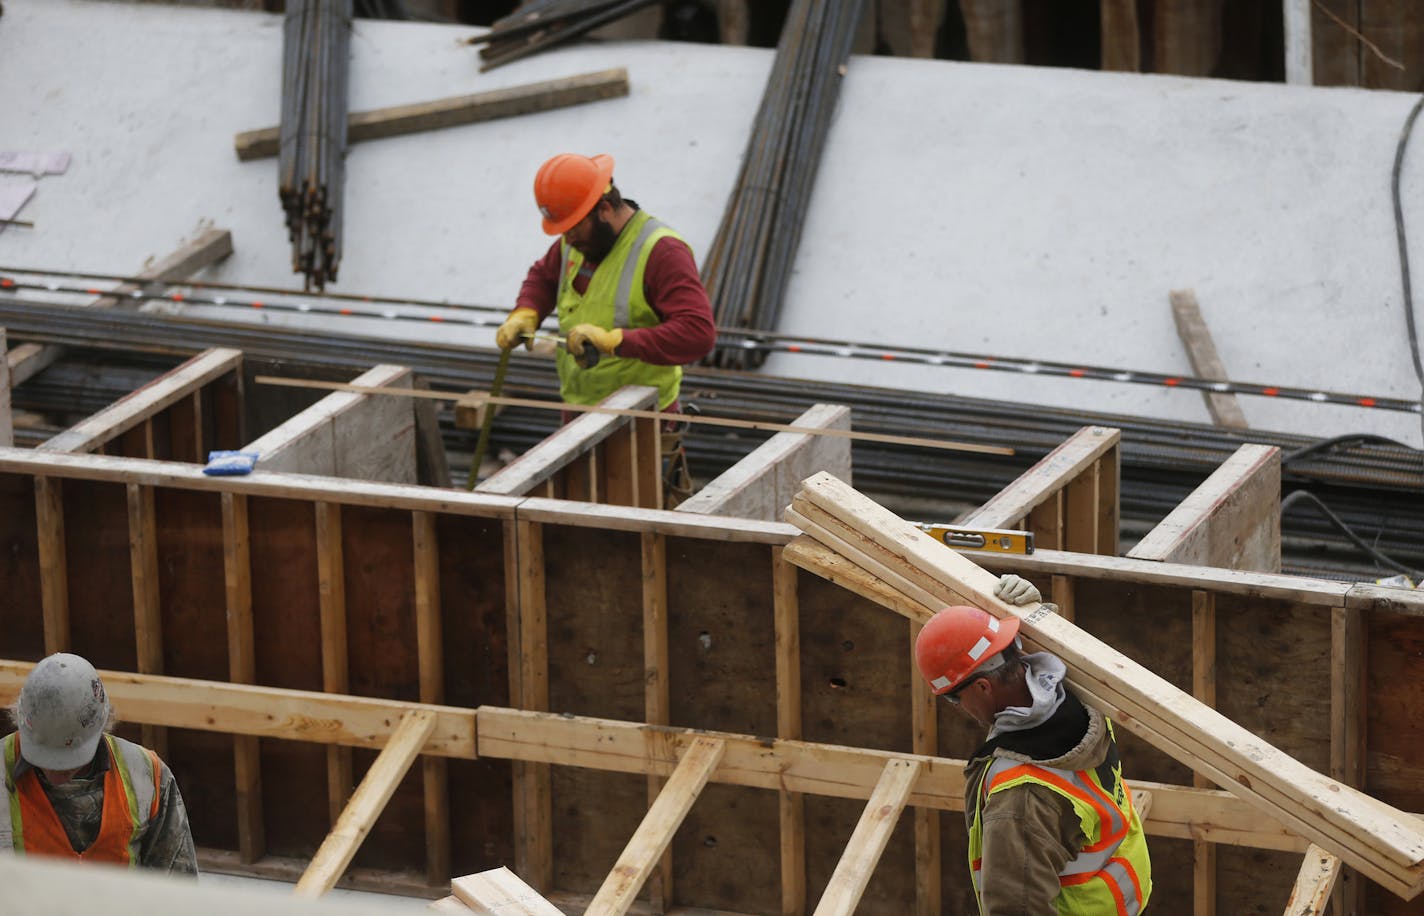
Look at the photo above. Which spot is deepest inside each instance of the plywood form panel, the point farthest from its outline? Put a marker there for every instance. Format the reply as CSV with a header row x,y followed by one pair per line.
x,y
193,610
721,636
381,645
472,595
829,825
593,585
286,620
21,615
101,613
724,854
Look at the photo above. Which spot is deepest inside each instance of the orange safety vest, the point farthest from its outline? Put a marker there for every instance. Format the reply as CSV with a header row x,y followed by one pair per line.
x,y
35,828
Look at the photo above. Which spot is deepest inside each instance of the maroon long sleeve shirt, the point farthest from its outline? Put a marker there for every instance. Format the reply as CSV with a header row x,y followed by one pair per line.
x,y
673,289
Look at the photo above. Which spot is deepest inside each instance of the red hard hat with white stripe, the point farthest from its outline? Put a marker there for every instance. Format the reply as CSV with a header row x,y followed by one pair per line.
x,y
957,641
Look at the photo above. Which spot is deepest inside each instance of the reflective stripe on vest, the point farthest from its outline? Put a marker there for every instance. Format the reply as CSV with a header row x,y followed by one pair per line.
x,y
129,805
614,298
1102,874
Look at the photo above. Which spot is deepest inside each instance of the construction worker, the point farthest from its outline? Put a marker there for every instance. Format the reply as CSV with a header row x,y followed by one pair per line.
x,y
1052,826
77,792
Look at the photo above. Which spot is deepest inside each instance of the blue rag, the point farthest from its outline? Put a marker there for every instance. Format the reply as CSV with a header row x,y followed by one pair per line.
x,y
230,464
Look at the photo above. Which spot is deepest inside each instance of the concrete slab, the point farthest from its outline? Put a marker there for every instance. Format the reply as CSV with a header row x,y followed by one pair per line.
x,y
1004,210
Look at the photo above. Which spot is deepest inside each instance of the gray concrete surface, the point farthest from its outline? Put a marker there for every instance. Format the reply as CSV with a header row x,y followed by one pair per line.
x,y
1004,210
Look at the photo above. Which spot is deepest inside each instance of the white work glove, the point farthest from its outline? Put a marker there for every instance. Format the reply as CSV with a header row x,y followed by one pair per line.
x,y
1016,590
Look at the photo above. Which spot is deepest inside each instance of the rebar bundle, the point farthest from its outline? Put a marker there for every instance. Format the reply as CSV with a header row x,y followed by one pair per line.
x,y
749,264
316,54
540,24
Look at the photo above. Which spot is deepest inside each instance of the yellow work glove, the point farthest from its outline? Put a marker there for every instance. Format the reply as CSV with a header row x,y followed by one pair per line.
x,y
521,321
602,339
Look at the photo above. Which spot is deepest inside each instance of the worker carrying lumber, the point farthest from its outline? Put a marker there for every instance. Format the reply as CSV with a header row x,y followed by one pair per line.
x,y
77,792
621,282
1052,826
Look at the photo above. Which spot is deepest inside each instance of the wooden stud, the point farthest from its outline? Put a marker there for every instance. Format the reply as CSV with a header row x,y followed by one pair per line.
x,y
148,615
654,834
529,675
786,611
619,465
1046,523
1349,728
335,677
1121,42
54,566
648,436
1075,456
1064,595
995,30
1203,689
430,654
657,702
366,805
1187,37
924,720
871,835
242,669
7,423
1081,504
185,433
1109,468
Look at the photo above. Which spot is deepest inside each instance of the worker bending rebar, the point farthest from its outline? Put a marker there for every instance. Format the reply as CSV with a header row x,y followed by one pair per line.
x,y
1052,825
77,792
621,282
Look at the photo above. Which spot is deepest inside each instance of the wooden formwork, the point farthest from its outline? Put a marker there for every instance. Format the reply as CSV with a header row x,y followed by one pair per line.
x,y
548,608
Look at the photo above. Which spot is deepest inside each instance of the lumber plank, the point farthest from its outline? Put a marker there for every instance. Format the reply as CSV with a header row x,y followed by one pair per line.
x,y
335,661
1109,501
211,246
430,655
1225,410
268,712
1311,894
1366,832
1349,725
786,613
500,892
811,555
281,486
529,687
618,468
366,804
868,841
54,564
829,770
242,669
1232,520
7,422
568,444
1063,593
399,120
654,834
1080,512
657,702
1204,689
432,464
148,615
1077,454
137,407
1047,522
648,451
1121,43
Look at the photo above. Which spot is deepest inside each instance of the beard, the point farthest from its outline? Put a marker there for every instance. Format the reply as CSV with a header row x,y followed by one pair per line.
x,y
600,242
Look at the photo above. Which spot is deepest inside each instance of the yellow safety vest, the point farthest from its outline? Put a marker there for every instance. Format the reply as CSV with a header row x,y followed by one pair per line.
x,y
614,299
1112,874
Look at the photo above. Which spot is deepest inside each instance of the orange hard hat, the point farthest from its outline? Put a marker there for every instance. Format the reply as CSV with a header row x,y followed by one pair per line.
x,y
957,641
568,186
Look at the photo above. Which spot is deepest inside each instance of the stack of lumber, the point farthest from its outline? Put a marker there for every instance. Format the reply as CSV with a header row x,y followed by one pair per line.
x,y
857,542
